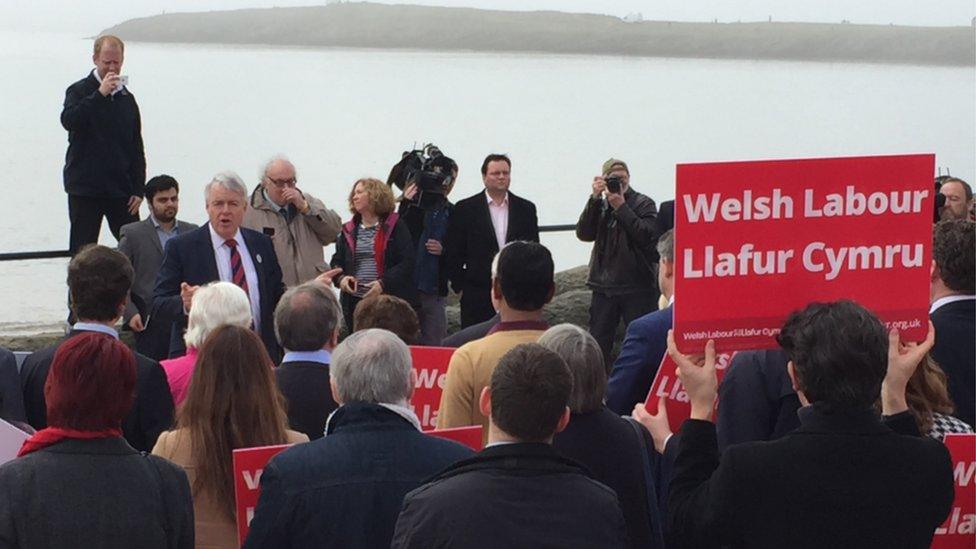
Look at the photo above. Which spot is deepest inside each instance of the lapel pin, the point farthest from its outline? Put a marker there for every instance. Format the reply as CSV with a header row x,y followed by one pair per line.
x,y
258,256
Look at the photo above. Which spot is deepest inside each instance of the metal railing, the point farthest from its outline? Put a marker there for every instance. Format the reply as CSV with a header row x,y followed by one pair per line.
x,y
53,254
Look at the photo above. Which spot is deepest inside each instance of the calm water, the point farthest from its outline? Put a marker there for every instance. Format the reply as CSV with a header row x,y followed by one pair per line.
x,y
341,114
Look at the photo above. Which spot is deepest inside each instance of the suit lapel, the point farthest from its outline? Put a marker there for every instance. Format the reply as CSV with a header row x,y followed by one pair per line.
x,y
256,258
151,230
482,205
205,249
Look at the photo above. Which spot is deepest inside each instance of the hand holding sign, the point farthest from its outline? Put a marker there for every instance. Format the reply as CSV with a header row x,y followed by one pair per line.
x,y
903,360
656,424
697,374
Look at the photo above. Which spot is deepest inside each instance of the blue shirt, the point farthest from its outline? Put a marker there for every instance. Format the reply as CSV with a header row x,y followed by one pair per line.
x,y
93,327
164,235
321,356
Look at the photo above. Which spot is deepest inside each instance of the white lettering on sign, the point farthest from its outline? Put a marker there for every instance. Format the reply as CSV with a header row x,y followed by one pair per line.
x,y
426,377
746,261
253,481
959,523
817,257
748,208
853,203
964,472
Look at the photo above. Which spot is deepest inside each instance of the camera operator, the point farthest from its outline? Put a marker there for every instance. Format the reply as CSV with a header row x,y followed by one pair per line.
x,y
426,212
621,224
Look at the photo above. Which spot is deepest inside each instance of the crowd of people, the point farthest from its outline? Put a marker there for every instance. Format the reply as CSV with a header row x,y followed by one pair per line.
x,y
833,439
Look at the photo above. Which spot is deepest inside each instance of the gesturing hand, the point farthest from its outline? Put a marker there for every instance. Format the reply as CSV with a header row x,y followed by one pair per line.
x,y
903,360
656,424
697,374
327,277
186,294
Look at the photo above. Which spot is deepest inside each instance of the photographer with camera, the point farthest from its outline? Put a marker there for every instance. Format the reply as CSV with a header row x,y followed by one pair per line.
x,y
623,265
427,177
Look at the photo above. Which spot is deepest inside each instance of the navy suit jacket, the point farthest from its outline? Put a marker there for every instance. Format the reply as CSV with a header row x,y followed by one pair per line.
x,y
190,258
640,356
955,352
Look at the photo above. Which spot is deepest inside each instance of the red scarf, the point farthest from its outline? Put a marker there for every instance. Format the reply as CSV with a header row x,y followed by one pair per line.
x,y
53,435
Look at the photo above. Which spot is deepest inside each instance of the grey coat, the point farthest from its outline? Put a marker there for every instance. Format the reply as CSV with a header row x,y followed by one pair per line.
x,y
95,494
139,242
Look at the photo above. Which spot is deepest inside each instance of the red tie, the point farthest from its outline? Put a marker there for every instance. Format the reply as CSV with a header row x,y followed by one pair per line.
x,y
237,267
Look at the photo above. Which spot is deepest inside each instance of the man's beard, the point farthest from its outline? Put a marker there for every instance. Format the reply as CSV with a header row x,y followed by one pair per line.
x,y
167,215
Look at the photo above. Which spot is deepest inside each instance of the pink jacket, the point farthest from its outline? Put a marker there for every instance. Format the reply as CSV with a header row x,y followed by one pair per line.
x,y
178,374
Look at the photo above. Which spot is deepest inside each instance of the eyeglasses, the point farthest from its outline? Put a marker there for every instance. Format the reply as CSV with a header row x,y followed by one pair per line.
x,y
282,183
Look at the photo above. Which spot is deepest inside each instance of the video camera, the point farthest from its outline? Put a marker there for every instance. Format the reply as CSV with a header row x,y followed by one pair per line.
x,y
428,169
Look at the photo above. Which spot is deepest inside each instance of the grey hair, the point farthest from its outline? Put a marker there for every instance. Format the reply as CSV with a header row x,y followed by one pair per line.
x,y
276,158
374,366
215,305
665,246
228,180
585,360
306,317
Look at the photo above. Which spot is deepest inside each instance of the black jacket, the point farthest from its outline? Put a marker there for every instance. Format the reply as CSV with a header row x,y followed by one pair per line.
x,y
94,493
11,397
398,256
955,352
152,411
756,399
105,155
624,241
345,490
306,387
608,445
513,495
843,479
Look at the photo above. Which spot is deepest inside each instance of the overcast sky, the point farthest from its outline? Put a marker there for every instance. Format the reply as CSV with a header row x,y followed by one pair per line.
x,y
91,16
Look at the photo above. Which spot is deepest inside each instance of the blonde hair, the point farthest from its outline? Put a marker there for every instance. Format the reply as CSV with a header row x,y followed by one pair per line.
x,y
101,40
380,196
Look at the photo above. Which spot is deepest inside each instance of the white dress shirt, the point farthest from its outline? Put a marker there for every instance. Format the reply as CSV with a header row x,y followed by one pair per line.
x,y
222,254
949,299
499,218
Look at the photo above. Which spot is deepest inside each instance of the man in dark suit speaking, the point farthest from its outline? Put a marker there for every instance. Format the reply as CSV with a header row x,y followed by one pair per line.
x,y
220,250
480,226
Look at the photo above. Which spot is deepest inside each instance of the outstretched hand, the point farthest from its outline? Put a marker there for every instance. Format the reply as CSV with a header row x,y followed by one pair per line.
x,y
656,424
697,374
903,360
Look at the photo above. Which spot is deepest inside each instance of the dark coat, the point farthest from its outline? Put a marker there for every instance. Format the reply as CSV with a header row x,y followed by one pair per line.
x,y
756,399
665,219
624,241
345,490
608,445
11,396
152,411
424,225
397,275
840,480
513,495
471,333
94,493
640,357
471,246
105,155
306,387
190,258
955,352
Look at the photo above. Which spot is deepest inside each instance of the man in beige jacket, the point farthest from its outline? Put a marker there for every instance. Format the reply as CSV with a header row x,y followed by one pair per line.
x,y
299,224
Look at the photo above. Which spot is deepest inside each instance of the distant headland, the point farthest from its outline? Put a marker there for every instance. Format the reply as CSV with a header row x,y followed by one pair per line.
x,y
367,25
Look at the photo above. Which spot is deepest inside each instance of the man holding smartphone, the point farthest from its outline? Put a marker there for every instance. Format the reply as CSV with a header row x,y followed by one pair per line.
x,y
105,166
621,224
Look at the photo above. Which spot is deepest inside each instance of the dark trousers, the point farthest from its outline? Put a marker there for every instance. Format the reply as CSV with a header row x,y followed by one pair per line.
x,y
606,311
85,214
154,340
349,303
476,306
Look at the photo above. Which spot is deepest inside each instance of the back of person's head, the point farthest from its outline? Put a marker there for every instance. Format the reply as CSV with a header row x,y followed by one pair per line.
x,y
954,253
160,183
214,305
530,391
525,275
307,317
388,312
99,279
372,366
583,356
665,246
232,402
839,352
91,384
927,393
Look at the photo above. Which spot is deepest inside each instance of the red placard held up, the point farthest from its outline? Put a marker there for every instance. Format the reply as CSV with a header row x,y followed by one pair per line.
x,y
667,385
755,241
430,363
959,530
248,465
469,436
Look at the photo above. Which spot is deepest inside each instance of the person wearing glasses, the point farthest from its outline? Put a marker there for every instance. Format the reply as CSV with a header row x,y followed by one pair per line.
x,y
298,224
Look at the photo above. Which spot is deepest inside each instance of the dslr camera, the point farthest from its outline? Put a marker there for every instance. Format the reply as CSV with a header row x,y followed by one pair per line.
x,y
429,170
613,183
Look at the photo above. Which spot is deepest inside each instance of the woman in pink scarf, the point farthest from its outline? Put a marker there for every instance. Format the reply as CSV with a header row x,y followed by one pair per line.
x,y
214,305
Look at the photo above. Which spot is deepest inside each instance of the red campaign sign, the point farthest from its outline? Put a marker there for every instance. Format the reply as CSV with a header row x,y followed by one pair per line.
x,y
430,364
469,436
667,385
249,463
755,241
959,530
